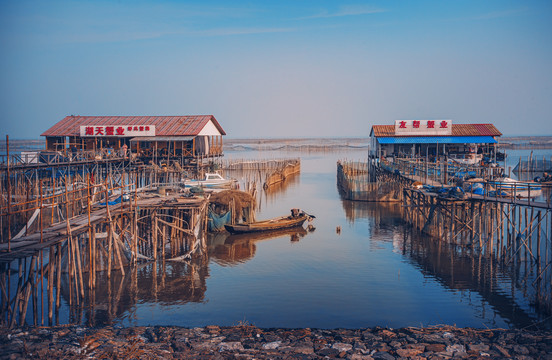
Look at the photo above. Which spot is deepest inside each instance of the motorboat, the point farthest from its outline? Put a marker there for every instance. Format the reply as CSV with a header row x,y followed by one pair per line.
x,y
517,188
466,158
211,180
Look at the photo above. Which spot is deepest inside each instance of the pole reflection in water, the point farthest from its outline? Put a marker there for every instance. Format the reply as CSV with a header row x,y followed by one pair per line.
x,y
122,298
118,300
459,269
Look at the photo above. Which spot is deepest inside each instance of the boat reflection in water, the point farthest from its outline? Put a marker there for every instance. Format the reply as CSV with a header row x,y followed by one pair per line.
x,y
229,250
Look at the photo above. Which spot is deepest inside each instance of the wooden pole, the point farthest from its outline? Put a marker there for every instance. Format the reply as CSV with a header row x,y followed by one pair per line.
x,y
40,212
109,233
154,237
90,241
8,190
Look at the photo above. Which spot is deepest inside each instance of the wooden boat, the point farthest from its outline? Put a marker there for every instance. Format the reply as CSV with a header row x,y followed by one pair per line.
x,y
297,218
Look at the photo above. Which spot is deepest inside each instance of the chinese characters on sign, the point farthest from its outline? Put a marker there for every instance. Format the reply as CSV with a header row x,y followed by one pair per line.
x,y
423,127
117,130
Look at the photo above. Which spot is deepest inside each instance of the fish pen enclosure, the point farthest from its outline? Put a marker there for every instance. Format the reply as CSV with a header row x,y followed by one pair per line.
x,y
271,175
281,174
533,165
363,181
272,171
259,164
515,235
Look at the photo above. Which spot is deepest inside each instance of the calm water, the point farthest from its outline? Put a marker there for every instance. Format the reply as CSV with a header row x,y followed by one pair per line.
x,y
375,272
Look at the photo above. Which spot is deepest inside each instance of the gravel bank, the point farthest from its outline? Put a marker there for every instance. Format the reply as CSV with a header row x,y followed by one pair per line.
x,y
249,342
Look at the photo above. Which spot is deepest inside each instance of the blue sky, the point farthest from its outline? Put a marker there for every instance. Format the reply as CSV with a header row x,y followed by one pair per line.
x,y
278,69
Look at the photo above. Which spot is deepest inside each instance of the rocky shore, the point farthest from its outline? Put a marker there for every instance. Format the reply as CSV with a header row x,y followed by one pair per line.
x,y
249,342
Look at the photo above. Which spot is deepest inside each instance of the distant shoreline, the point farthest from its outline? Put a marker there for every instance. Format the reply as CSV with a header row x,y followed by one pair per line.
x,y
305,143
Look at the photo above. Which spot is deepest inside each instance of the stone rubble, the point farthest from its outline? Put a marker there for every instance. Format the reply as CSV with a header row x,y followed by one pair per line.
x,y
249,342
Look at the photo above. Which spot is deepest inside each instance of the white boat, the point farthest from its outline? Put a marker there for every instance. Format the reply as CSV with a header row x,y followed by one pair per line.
x,y
467,158
516,188
211,180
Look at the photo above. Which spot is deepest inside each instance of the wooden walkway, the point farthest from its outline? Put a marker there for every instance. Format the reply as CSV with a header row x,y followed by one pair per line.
x,y
57,233
541,204
503,200
533,202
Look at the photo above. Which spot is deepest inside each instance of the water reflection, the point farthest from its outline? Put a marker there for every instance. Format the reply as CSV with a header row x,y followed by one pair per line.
x,y
230,250
166,283
118,298
456,268
374,272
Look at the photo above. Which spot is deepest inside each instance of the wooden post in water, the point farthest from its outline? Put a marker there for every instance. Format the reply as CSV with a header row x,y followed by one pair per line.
x,y
8,186
154,236
90,241
109,234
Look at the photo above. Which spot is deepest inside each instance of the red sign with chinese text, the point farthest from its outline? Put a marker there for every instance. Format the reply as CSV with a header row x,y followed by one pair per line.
x,y
117,130
423,127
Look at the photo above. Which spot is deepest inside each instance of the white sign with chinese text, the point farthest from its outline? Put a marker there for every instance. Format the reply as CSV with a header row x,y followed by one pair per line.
x,y
423,127
117,130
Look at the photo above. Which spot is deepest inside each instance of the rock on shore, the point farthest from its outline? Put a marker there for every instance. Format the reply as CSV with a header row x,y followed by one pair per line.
x,y
249,342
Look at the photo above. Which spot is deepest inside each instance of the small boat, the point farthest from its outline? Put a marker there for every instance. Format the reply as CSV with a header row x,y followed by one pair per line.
x,y
516,188
211,180
297,218
466,158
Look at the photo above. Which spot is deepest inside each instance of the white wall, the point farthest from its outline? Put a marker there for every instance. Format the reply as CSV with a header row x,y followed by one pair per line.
x,y
209,129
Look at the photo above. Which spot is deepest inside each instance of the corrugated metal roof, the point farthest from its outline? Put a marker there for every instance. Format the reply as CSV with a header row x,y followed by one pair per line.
x,y
457,130
437,139
164,125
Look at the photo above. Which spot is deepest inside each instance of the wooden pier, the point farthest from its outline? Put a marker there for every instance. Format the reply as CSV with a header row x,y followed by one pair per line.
x,y
360,181
515,232
512,233
68,228
79,229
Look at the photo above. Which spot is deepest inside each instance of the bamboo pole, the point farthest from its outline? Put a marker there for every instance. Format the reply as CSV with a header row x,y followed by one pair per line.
x,y
8,185
51,269
109,233
91,268
58,276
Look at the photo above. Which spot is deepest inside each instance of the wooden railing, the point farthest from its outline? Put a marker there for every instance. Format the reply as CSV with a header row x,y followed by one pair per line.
x,y
63,198
64,157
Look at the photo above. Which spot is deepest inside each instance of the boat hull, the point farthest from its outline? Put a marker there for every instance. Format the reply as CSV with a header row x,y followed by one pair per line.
x,y
208,184
284,222
520,189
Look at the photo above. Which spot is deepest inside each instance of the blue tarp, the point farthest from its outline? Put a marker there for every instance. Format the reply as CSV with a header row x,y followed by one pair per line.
x,y
437,140
114,202
217,222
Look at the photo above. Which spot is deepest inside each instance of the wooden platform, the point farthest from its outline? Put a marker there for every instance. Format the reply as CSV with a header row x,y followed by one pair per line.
x,y
57,233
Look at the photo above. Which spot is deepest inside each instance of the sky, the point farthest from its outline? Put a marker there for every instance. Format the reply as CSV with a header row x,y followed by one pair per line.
x,y
294,68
